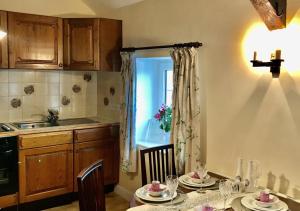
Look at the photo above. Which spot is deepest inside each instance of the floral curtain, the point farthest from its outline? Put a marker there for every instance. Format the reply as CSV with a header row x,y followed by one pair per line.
x,y
128,109
185,132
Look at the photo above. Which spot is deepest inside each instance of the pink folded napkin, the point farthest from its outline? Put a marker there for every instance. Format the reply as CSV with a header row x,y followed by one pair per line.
x,y
155,186
207,208
264,197
196,175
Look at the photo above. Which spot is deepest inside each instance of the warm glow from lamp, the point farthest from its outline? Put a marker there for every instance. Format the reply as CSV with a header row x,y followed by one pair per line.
x,y
258,38
2,34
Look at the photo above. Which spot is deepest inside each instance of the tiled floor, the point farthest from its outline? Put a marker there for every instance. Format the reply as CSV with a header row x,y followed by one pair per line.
x,y
113,203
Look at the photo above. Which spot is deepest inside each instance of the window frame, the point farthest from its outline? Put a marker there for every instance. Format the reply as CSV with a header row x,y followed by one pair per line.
x,y
166,86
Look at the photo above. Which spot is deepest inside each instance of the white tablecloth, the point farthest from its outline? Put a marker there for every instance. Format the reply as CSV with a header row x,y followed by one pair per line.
x,y
193,202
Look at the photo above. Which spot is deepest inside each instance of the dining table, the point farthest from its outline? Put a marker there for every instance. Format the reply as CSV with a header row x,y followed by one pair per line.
x,y
193,197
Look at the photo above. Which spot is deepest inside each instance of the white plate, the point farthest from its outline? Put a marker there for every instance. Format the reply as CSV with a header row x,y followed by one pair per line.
x,y
250,203
143,194
187,180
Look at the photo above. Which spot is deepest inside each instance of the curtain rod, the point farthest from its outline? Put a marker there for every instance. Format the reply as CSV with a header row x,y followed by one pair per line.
x,y
179,45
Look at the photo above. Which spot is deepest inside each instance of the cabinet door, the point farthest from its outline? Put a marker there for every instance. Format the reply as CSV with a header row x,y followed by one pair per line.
x,y
88,152
35,41
45,172
110,44
3,40
81,44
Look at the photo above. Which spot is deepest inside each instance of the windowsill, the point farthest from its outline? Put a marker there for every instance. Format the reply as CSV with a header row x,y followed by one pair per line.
x,y
145,145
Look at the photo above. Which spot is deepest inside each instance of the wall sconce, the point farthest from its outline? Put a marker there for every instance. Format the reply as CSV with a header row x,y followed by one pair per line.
x,y
2,34
274,64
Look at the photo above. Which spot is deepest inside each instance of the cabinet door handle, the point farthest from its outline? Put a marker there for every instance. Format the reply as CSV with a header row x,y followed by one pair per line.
x,y
19,162
40,160
60,65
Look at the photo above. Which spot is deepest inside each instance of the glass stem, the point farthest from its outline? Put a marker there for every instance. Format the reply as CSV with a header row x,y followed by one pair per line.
x,y
225,199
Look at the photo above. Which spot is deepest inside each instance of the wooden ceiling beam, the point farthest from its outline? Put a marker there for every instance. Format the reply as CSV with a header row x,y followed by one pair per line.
x,y
272,12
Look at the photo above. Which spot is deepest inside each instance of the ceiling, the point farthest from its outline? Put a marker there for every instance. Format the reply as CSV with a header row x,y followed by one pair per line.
x,y
119,3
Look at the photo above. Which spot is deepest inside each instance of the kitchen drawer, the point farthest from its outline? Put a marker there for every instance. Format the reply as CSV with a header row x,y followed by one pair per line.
x,y
94,134
45,139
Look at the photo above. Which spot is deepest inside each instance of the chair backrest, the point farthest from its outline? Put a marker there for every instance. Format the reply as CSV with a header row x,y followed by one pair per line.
x,y
91,188
161,163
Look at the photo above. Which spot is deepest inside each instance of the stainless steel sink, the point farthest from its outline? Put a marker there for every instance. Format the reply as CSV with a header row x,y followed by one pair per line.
x,y
30,125
41,124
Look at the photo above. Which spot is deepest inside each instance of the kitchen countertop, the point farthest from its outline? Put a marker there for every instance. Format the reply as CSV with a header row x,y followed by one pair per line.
x,y
17,131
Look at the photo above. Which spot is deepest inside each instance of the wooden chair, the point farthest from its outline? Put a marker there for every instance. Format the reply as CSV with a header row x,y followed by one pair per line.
x,y
91,188
159,161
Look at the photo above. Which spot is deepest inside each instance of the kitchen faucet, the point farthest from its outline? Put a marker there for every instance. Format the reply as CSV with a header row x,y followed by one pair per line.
x,y
53,116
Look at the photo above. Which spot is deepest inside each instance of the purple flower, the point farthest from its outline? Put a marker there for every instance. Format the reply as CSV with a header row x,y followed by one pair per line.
x,y
157,116
164,116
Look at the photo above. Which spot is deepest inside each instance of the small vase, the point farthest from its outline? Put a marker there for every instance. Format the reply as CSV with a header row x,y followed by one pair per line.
x,y
167,137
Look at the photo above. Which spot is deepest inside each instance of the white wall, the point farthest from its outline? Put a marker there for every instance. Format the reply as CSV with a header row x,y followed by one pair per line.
x,y
244,114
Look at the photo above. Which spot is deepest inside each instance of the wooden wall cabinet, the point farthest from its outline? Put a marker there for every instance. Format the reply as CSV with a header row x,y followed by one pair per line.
x,y
110,44
46,171
92,44
95,144
3,41
43,42
81,44
35,41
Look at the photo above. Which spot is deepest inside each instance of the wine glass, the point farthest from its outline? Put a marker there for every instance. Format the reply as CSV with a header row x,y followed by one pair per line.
x,y
225,188
172,184
257,172
201,171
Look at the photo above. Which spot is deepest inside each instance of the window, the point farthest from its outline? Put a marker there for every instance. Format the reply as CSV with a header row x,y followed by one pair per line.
x,y
154,87
169,87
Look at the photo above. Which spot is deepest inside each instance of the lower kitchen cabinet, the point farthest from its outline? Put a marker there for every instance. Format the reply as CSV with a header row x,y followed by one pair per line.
x,y
95,144
50,162
45,172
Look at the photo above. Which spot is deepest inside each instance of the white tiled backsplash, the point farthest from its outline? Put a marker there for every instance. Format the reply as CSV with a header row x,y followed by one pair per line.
x,y
49,88
108,80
